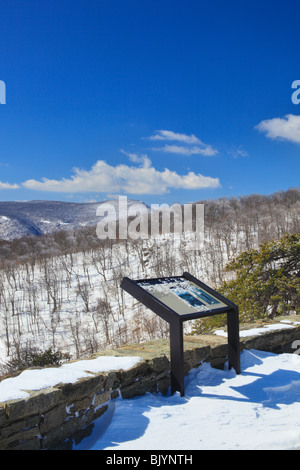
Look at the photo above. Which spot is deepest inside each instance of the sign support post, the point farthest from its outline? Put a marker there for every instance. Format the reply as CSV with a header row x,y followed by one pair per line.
x,y
176,354
233,340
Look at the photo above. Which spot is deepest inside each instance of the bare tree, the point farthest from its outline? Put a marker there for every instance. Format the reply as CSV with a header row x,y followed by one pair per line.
x,y
104,314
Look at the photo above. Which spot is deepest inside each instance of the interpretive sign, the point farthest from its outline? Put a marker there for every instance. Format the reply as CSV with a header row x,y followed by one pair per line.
x,y
181,298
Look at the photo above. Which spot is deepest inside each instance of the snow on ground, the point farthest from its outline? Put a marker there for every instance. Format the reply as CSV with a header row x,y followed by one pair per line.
x,y
37,379
284,324
258,409
55,302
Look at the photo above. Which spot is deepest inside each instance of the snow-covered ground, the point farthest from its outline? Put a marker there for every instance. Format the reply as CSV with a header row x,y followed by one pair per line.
x,y
74,303
37,379
258,409
283,324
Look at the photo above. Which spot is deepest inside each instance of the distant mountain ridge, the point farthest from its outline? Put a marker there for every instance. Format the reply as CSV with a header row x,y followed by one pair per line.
x,y
265,212
20,219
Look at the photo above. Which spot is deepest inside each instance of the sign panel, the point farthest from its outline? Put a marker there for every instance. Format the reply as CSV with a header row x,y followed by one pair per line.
x,y
181,295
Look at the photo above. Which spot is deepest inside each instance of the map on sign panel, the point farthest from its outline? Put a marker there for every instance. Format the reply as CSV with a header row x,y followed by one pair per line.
x,y
181,295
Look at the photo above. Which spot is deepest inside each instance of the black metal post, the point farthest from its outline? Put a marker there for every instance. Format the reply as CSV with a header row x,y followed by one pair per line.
x,y
177,363
233,340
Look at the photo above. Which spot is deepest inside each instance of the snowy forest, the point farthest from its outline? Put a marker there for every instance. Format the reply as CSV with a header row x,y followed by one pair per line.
x,y
62,290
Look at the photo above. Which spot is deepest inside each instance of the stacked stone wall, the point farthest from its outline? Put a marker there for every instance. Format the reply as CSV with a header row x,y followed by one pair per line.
x,y
55,417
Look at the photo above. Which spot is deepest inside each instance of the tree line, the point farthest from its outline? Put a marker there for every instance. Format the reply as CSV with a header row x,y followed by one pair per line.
x,y
62,291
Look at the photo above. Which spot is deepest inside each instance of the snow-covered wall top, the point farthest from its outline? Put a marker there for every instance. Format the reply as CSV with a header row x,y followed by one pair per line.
x,y
46,408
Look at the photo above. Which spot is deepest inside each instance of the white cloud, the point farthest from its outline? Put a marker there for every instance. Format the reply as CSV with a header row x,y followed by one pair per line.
x,y
8,186
190,144
104,178
286,128
237,152
135,158
170,135
185,150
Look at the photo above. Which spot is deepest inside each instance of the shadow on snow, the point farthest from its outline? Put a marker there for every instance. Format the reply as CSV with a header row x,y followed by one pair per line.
x,y
125,420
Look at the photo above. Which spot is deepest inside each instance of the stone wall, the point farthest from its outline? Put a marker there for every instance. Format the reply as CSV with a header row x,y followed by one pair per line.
x,y
53,418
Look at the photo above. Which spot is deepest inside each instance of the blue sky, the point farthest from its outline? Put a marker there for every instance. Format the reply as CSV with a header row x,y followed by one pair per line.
x,y
162,100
